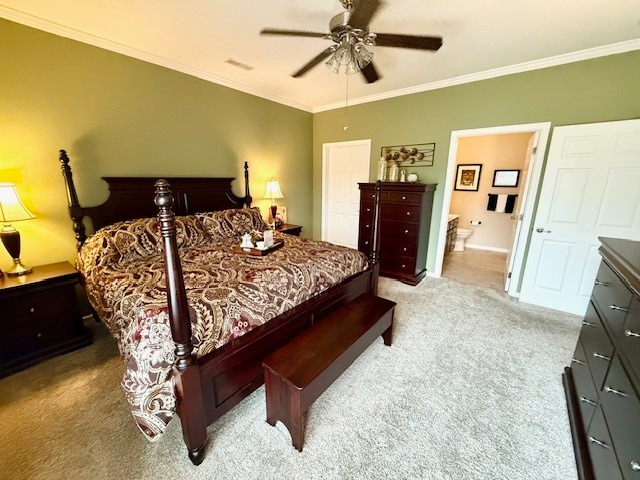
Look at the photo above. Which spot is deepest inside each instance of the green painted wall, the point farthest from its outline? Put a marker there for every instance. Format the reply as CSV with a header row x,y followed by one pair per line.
x,y
120,116
598,90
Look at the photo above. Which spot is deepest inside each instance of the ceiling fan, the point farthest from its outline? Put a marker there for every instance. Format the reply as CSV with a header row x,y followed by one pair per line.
x,y
349,30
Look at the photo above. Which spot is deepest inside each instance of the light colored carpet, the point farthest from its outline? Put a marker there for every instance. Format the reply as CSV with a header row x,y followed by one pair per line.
x,y
470,389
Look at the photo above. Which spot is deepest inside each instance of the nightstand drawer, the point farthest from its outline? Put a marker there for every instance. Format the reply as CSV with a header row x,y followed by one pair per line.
x,y
37,306
35,337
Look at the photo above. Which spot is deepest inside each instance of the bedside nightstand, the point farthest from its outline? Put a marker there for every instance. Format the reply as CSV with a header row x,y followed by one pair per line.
x,y
40,316
290,229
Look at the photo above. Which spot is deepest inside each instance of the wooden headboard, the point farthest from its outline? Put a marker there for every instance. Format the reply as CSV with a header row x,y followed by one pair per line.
x,y
132,197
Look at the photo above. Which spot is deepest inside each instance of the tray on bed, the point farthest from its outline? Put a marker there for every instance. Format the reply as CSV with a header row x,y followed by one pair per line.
x,y
257,251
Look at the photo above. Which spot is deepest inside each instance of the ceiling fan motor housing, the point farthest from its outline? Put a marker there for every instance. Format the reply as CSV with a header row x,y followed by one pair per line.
x,y
340,23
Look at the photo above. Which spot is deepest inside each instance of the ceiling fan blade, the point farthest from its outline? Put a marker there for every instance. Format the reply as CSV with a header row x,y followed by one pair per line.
x,y
408,41
363,12
313,62
292,33
370,73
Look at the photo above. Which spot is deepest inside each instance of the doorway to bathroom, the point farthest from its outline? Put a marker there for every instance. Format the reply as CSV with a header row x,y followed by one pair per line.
x,y
489,193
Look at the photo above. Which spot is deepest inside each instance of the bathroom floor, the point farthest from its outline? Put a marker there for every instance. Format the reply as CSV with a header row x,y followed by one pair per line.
x,y
476,267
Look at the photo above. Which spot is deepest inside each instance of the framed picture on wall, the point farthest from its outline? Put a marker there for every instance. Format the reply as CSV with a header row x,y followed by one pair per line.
x,y
468,177
506,178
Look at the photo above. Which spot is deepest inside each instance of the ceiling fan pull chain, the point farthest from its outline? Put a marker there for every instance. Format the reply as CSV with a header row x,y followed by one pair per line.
x,y
346,107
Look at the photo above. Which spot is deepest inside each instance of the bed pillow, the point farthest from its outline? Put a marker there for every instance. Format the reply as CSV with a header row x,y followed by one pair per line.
x,y
140,238
232,223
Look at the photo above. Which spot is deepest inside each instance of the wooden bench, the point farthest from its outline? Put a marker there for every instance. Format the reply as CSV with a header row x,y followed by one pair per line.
x,y
297,374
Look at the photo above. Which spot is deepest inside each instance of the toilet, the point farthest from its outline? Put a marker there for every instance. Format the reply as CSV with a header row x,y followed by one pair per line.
x,y
461,235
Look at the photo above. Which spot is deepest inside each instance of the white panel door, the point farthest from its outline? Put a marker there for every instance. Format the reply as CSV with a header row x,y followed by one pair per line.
x,y
591,188
344,165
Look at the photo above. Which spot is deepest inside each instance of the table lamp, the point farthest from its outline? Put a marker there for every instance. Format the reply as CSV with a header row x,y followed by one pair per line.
x,y
273,192
12,210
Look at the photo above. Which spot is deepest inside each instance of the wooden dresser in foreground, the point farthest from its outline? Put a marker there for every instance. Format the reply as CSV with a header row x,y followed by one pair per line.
x,y
405,220
603,381
39,316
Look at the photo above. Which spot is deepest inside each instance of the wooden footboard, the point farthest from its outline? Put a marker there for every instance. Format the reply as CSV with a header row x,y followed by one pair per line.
x,y
210,386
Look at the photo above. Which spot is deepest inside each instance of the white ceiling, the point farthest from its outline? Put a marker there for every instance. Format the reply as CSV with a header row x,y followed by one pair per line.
x,y
482,39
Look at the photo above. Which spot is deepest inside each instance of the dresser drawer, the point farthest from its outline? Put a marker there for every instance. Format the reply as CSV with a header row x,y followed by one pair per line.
x,y
404,231
612,296
405,198
629,338
402,213
603,457
369,195
621,409
597,345
397,264
583,383
35,307
366,211
399,246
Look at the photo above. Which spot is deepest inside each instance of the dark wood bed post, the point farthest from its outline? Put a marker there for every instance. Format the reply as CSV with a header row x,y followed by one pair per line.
x,y
75,211
375,241
247,194
187,373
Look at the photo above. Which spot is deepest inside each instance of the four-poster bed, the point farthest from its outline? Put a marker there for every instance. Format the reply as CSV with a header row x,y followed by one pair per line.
x,y
204,381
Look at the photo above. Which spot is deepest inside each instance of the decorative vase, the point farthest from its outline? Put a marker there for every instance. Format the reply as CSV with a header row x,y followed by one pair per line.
x,y
394,171
382,169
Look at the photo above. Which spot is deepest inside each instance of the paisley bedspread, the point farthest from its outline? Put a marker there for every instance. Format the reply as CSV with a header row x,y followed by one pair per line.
x,y
229,294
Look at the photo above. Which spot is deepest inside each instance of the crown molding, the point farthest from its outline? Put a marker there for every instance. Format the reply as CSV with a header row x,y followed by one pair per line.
x,y
80,36
563,59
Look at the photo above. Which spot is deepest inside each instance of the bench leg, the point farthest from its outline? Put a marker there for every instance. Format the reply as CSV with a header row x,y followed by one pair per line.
x,y
388,333
285,404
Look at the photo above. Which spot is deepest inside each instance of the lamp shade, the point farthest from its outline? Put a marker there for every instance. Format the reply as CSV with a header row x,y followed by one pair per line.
x,y
273,190
11,207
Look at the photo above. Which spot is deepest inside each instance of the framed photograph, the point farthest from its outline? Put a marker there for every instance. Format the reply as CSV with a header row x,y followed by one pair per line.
x,y
468,177
281,215
506,178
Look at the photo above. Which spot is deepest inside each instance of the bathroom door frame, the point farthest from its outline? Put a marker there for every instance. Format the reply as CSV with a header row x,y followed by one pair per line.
x,y
533,180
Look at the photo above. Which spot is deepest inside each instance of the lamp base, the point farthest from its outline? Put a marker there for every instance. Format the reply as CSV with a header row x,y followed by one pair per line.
x,y
11,240
18,269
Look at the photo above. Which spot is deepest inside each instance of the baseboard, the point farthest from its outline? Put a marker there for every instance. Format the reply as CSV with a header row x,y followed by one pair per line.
x,y
473,246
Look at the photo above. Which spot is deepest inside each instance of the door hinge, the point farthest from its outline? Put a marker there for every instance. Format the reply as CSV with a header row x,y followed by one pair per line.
x,y
509,275
535,150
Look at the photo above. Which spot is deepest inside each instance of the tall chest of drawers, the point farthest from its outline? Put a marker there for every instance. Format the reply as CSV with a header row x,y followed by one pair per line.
x,y
603,381
405,220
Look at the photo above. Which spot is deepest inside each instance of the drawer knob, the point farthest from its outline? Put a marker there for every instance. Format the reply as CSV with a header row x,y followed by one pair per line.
x,y
587,401
588,324
603,357
579,362
608,389
367,226
598,442
404,198
604,284
615,307
408,214
39,335
635,466
406,231
32,309
405,249
368,209
367,242
629,333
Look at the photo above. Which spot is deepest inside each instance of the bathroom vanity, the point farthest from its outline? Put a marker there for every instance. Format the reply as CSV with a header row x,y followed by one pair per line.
x,y
452,228
405,221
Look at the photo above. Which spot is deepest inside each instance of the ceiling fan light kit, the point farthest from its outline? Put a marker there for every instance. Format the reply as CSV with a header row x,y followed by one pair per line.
x,y
349,30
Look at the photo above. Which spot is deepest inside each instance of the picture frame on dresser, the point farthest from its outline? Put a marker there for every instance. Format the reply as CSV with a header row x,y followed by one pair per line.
x,y
468,177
